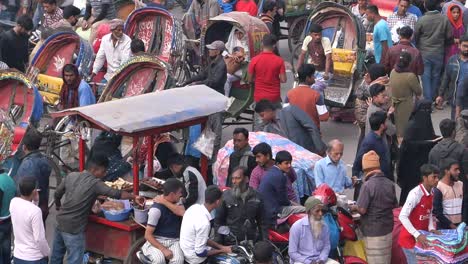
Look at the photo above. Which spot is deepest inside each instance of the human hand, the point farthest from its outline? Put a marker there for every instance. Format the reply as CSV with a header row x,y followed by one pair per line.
x,y
456,41
159,199
226,249
439,100
369,101
381,80
391,110
437,232
140,200
85,25
326,76
422,240
167,254
354,179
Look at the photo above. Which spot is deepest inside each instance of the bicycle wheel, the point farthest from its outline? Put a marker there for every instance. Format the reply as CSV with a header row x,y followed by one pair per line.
x,y
55,178
132,253
295,32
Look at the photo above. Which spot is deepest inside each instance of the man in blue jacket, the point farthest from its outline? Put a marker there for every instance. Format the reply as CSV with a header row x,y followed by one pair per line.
x,y
274,191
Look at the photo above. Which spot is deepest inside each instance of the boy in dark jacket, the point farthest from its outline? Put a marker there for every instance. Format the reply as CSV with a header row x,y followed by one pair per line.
x,y
447,147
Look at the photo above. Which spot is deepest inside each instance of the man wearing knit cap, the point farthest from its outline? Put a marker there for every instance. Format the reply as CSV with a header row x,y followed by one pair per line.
x,y
375,204
114,49
309,238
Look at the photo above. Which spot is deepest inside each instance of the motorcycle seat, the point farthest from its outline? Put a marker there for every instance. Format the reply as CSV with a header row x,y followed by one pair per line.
x,y
278,237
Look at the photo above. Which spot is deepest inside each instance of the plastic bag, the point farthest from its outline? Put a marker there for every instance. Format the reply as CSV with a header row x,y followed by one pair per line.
x,y
205,143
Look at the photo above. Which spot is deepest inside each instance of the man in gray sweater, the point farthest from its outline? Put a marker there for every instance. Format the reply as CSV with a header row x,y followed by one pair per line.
x,y
432,34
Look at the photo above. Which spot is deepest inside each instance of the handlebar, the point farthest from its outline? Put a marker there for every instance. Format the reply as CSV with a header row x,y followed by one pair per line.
x,y
192,40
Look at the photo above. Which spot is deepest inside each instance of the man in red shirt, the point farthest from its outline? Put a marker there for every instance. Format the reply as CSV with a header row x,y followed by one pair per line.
x,y
248,6
416,213
306,98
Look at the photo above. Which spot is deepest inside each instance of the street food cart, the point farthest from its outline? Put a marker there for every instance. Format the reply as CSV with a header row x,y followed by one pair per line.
x,y
136,117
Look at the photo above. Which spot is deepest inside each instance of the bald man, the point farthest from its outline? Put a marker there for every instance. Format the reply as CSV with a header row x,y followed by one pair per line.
x,y
331,170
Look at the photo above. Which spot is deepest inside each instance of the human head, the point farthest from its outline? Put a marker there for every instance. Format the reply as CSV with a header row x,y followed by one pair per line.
x,y
314,207
266,110
447,128
173,189
263,252
335,150
404,60
370,162
283,160
116,26
239,178
240,137
176,164
269,8
70,74
375,71
27,186
213,197
429,175
49,6
71,14
316,32
269,42
215,48
362,3
24,25
431,5
455,12
372,13
377,121
449,168
239,34
405,33
263,154
464,46
97,165
379,94
306,74
403,6
32,140
137,46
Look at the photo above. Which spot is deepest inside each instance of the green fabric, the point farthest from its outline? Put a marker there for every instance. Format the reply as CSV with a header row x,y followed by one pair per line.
x,y
8,187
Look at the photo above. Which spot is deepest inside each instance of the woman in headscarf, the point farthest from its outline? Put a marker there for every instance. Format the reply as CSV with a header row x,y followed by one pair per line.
x,y
418,140
404,86
455,15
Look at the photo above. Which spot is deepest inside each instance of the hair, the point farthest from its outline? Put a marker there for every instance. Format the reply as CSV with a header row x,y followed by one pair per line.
x,y
264,105
315,28
376,89
428,169
268,6
373,9
69,68
406,31
262,148
50,2
404,60
32,139
377,119
446,164
172,185
431,5
464,38
237,49
97,160
269,40
70,11
212,194
283,156
306,70
332,143
175,159
240,168
409,1
447,127
263,252
27,185
376,70
137,45
455,7
25,22
241,130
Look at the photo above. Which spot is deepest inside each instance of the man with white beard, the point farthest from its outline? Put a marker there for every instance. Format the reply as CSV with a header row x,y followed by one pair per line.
x,y
239,204
309,238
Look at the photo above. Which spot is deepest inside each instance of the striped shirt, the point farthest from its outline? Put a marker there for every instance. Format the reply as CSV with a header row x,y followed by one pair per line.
x,y
451,199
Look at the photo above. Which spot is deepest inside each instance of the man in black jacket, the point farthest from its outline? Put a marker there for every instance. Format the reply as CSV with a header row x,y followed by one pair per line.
x,y
242,155
241,203
14,44
447,147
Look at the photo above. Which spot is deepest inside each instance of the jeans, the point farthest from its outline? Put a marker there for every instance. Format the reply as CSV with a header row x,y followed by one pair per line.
x,y
73,245
19,261
7,15
433,66
410,255
38,14
5,242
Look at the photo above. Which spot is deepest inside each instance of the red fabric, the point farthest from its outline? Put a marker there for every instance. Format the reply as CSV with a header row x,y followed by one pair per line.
x,y
266,68
306,99
419,217
398,257
248,6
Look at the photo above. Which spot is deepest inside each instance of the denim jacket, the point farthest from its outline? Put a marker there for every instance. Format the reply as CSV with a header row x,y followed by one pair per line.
x,y
448,86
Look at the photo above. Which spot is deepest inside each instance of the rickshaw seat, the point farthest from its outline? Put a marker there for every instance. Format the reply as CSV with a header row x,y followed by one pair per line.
x,y
243,95
344,61
49,87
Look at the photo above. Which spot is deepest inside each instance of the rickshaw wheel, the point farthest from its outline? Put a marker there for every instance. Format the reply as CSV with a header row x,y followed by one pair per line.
x,y
295,32
56,174
132,253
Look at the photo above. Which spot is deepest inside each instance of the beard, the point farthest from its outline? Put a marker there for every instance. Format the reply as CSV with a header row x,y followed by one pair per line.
x,y
316,227
465,53
239,190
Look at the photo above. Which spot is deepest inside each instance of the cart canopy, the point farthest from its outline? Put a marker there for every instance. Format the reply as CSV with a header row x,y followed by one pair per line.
x,y
152,112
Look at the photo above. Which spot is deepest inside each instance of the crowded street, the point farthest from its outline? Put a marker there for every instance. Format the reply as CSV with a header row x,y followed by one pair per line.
x,y
233,131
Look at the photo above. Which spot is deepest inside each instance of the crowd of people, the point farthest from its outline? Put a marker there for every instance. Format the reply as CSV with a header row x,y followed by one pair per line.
x,y
421,64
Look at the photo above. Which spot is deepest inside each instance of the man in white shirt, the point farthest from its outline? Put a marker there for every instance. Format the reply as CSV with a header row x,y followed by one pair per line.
x,y
114,49
196,226
30,241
